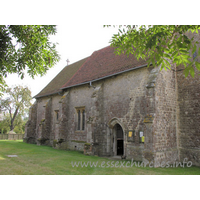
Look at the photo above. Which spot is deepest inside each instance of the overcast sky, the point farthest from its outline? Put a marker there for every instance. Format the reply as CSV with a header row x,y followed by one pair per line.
x,y
75,43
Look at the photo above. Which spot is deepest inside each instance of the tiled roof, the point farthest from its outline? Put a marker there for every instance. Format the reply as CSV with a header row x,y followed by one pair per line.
x,y
100,64
64,76
103,63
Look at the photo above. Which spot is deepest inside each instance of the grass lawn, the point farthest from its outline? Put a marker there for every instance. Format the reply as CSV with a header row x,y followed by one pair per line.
x,y
38,160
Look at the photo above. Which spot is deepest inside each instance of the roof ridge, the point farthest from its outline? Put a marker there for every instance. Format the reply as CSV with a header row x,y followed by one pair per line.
x,y
54,86
88,58
100,64
76,72
103,62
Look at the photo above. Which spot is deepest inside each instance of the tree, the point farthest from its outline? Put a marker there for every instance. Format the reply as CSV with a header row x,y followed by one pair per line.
x,y
17,101
26,48
19,124
159,44
5,124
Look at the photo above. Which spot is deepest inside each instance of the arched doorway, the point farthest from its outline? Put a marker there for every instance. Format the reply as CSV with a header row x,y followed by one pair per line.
x,y
117,137
119,140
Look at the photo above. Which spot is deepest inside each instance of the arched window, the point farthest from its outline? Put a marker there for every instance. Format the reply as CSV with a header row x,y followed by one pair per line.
x,y
56,115
83,120
80,118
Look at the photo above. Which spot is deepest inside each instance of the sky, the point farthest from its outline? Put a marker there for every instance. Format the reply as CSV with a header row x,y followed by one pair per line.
x,y
80,29
75,42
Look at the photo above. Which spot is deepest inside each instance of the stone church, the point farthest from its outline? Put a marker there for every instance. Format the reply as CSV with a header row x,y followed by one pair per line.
x,y
110,105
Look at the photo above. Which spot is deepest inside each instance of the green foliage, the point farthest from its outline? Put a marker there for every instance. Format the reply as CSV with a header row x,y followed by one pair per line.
x,y
19,124
5,124
159,44
27,48
87,144
16,104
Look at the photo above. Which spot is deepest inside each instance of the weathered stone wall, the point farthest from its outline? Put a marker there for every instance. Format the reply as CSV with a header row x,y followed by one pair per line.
x,y
125,100
43,121
124,97
41,103
30,128
55,112
140,100
78,97
189,117
63,116
164,125
188,132
71,145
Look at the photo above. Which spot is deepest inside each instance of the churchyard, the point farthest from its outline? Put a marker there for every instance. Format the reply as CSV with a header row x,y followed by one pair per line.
x,y
18,158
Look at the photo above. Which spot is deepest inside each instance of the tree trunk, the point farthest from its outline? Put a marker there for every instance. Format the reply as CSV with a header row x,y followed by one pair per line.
x,y
13,119
11,125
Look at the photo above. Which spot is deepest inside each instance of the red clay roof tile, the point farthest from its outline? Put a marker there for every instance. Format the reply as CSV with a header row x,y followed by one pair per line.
x,y
103,63
60,79
100,64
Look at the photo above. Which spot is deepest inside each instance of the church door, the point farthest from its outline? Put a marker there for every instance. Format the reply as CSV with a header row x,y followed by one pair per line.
x,y
120,140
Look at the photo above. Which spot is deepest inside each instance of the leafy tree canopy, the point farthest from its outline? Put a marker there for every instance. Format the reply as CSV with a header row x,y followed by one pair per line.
x,y
19,124
26,48
16,102
159,43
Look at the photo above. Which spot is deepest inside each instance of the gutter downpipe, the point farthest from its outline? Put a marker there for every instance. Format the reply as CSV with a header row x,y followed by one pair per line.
x,y
92,85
